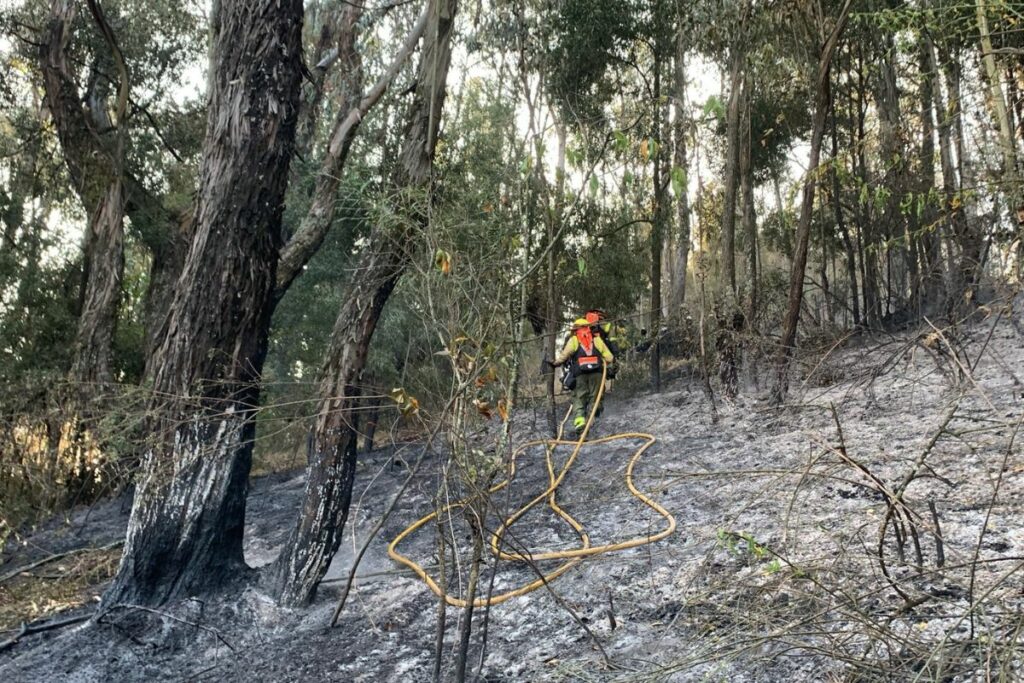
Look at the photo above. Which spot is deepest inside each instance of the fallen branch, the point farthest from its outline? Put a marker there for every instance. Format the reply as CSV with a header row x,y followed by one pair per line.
x,y
170,616
41,626
53,558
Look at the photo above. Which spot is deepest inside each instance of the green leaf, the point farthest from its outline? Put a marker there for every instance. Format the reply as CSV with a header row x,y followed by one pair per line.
x,y
714,107
581,265
678,181
621,141
595,185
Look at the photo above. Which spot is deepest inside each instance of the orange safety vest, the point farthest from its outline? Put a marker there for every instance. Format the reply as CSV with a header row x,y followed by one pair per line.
x,y
587,359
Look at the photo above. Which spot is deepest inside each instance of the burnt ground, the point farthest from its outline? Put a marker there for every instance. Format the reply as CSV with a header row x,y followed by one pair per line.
x,y
773,573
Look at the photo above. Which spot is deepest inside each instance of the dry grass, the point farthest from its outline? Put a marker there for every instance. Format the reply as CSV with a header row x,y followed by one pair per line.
x,y
56,587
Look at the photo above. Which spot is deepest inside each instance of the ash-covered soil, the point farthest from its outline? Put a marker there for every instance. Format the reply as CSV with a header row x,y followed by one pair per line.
x,y
776,571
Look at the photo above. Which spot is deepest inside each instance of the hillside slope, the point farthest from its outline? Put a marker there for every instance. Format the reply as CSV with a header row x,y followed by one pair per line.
x,y
773,574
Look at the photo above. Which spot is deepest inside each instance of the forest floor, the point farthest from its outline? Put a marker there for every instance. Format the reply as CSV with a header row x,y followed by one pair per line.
x,y
773,574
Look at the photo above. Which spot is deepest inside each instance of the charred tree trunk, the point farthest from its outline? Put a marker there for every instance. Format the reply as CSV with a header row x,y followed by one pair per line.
x,y
185,531
317,535
796,279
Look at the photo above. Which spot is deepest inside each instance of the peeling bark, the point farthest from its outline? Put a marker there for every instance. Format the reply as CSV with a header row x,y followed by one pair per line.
x,y
316,536
185,531
93,152
94,163
101,299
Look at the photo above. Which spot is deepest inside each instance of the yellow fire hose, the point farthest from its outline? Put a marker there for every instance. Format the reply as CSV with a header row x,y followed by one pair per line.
x,y
574,556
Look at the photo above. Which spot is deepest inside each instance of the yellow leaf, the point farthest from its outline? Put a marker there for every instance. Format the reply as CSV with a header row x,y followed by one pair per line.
x,y
443,261
503,410
483,407
411,407
645,150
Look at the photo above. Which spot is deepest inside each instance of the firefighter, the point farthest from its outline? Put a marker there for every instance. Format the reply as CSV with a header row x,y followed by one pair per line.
x,y
586,353
610,335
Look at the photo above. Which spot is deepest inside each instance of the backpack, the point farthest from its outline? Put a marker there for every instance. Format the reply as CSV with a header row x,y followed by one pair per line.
x,y
587,358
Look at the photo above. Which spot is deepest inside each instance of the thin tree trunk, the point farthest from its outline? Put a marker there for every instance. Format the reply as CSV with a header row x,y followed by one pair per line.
x,y
101,299
551,306
185,531
796,279
844,232
736,72
318,219
956,175
931,239
317,534
954,221
749,212
95,163
677,297
894,178
657,225
997,103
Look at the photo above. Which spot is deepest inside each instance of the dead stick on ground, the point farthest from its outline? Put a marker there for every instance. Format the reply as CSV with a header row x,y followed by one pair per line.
x,y
940,554
170,616
40,626
53,558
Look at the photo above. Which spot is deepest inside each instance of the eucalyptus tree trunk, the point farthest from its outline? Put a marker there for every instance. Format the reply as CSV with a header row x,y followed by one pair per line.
x,y
837,207
894,172
660,180
101,297
736,71
94,151
316,536
552,317
959,274
678,294
185,531
749,212
956,174
867,233
933,285
1007,142
796,278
